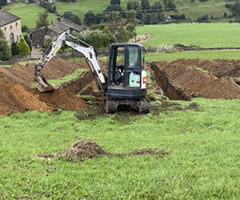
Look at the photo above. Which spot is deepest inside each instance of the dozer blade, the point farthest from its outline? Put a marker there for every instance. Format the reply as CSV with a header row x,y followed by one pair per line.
x,y
44,86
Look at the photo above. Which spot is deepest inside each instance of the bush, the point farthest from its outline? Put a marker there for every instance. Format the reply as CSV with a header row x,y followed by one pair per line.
x,y
24,28
74,18
28,42
14,49
5,51
47,42
23,47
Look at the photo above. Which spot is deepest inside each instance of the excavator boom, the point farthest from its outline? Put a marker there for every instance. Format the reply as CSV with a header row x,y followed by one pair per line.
x,y
80,46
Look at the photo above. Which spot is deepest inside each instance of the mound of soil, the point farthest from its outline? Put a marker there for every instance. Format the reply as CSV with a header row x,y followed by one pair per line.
x,y
19,98
179,81
218,67
83,150
24,75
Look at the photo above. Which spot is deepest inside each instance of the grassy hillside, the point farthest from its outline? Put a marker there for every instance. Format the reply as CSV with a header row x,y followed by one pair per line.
x,y
203,162
192,10
28,13
205,55
202,35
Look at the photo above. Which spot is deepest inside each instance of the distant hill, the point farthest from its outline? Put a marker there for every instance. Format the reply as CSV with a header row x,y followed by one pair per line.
x,y
214,8
192,9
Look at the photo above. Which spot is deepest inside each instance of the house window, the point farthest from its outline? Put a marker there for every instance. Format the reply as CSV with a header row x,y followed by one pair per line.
x,y
5,29
11,38
11,27
16,23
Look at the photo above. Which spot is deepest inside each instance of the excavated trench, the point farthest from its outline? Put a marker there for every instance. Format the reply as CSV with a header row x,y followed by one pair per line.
x,y
184,79
179,80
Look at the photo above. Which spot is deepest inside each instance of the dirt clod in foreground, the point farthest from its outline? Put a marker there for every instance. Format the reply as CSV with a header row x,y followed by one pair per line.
x,y
87,149
83,150
155,152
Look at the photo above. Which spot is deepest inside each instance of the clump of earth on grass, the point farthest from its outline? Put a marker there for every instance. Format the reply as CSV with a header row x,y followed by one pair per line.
x,y
155,152
86,149
83,150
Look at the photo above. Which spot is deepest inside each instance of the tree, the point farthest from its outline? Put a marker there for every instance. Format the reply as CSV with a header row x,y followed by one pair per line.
x,y
131,17
157,7
145,5
90,18
235,8
28,42
23,47
112,8
5,51
3,2
100,18
169,5
42,20
14,49
74,18
115,2
24,28
130,5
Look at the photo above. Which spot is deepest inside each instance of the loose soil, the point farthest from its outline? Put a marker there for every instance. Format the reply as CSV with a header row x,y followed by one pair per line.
x,y
24,75
180,80
184,79
83,150
87,149
17,96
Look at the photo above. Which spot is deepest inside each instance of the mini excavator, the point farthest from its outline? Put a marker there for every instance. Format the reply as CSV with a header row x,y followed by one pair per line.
x,y
125,84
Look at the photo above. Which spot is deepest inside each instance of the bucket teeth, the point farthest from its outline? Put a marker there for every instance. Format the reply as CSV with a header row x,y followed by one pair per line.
x,y
44,86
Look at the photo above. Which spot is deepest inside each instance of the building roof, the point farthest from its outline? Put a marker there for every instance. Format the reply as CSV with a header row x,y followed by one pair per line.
x,y
6,18
58,27
63,24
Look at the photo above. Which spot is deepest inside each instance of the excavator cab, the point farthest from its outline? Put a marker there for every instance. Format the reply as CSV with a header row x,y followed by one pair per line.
x,y
126,84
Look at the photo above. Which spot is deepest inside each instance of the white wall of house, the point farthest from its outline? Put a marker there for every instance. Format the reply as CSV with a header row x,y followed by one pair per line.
x,y
12,31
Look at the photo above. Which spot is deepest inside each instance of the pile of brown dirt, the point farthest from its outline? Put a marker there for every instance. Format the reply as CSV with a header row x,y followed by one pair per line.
x,y
83,150
218,67
24,75
19,98
180,81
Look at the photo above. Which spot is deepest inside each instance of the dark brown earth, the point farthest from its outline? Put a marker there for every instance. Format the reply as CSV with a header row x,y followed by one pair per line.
x,y
182,79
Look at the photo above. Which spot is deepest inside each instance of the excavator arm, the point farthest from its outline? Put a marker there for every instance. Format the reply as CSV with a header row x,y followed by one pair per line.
x,y
80,46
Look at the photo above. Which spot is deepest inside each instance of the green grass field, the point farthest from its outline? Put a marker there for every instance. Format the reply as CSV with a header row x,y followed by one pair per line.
x,y
203,162
214,8
205,55
28,13
202,35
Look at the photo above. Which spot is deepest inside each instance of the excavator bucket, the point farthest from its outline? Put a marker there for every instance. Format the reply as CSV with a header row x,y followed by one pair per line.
x,y
44,86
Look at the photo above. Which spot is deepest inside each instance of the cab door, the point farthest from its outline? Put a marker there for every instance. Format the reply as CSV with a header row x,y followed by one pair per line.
x,y
133,67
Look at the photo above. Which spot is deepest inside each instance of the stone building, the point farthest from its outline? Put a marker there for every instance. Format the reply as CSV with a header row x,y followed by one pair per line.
x,y
11,26
54,30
